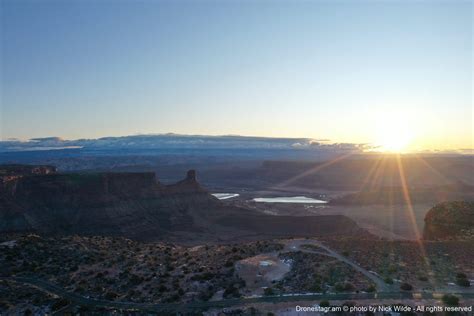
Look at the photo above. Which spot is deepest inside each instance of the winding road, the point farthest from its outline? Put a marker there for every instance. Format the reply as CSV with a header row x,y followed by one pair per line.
x,y
178,307
295,245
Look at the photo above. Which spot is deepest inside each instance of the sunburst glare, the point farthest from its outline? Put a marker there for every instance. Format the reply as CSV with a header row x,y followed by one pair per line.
x,y
394,133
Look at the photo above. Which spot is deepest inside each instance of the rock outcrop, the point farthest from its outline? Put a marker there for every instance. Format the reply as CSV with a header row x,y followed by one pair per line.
x,y
26,170
450,220
136,205
188,185
10,173
127,204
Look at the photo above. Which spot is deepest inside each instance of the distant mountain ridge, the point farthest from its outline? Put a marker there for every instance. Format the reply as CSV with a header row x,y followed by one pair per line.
x,y
397,196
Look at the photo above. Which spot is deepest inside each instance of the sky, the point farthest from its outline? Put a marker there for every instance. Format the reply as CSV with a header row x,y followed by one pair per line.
x,y
387,72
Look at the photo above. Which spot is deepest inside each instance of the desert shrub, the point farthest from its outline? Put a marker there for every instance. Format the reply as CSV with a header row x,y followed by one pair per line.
x,y
324,303
388,280
423,278
316,287
111,296
450,300
135,279
406,287
268,291
203,277
344,287
231,291
59,304
463,282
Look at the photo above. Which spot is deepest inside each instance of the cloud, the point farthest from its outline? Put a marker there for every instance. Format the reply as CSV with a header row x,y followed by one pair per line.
x,y
176,141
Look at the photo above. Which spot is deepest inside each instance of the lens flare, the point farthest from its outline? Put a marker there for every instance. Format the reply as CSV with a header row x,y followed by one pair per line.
x,y
394,133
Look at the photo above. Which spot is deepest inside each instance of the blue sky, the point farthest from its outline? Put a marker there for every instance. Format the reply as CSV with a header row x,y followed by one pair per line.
x,y
342,70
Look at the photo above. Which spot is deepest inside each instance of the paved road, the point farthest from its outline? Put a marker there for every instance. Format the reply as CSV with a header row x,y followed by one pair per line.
x,y
171,307
296,244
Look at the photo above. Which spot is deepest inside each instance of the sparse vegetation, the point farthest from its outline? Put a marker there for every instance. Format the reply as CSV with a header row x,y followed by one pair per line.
x,y
318,273
402,261
121,269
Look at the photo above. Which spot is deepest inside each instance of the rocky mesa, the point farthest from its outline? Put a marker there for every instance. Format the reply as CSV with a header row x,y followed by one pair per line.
x,y
138,206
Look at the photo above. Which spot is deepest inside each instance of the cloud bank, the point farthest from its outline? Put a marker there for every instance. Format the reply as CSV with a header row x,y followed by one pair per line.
x,y
176,141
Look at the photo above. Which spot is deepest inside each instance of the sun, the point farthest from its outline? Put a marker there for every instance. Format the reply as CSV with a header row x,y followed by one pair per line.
x,y
394,141
394,135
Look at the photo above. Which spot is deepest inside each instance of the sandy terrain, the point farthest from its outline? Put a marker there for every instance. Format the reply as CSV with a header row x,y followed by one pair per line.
x,y
259,271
